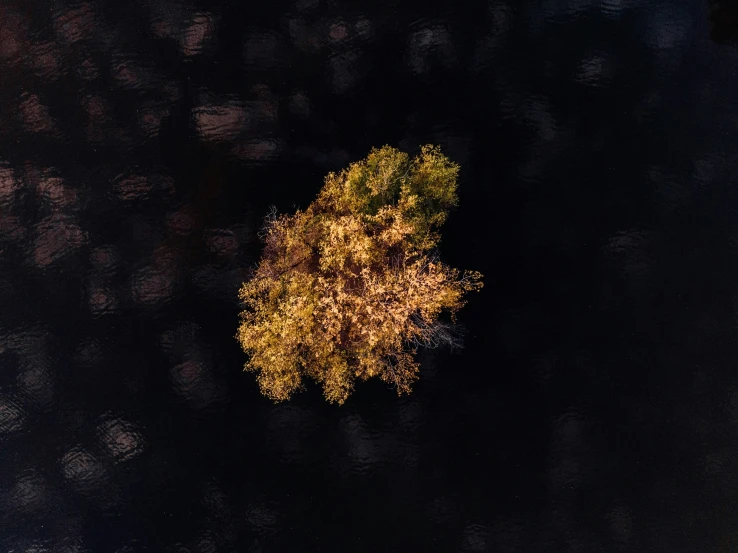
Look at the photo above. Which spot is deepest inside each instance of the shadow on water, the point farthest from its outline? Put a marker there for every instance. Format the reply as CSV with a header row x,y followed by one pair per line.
x,y
724,21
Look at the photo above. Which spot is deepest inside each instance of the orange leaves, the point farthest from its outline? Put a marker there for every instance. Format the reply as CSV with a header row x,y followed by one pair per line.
x,y
346,289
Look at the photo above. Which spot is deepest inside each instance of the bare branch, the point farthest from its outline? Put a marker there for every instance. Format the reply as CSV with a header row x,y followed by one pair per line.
x,y
268,222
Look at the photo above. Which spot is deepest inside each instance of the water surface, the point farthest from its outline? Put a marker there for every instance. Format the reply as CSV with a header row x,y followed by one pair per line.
x,y
595,407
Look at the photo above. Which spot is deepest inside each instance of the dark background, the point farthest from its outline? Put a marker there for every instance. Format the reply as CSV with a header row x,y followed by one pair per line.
x,y
595,407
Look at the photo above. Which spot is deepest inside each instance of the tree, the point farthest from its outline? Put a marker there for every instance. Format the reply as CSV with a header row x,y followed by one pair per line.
x,y
352,286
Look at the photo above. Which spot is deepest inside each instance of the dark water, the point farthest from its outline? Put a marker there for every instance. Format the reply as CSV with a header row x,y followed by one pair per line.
x,y
595,407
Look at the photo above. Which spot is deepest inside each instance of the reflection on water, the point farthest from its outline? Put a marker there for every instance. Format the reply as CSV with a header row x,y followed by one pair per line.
x,y
121,438
595,405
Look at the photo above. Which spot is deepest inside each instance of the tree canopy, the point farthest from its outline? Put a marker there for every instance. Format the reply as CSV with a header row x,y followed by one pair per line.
x,y
352,286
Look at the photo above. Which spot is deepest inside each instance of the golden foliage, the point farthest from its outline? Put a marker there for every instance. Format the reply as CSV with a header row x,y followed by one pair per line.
x,y
351,287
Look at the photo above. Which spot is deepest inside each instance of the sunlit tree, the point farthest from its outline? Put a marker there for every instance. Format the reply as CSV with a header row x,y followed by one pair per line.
x,y
352,286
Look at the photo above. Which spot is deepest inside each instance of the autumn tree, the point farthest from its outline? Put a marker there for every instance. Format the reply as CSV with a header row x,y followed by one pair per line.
x,y
352,286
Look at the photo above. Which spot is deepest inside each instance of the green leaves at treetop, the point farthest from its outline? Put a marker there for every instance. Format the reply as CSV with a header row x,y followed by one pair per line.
x,y
423,189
